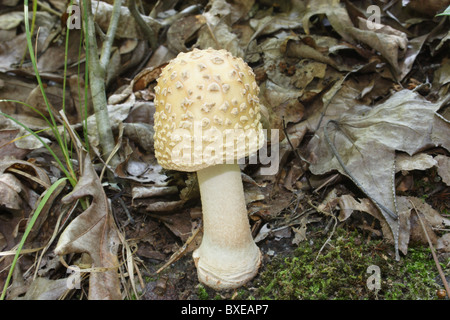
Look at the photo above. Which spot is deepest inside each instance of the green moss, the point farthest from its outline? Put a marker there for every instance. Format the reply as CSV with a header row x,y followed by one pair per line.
x,y
339,271
202,293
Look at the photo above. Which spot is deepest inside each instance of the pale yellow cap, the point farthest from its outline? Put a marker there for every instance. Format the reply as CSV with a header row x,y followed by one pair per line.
x,y
207,111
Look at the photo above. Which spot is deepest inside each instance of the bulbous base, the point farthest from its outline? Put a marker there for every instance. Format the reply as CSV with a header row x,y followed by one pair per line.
x,y
229,270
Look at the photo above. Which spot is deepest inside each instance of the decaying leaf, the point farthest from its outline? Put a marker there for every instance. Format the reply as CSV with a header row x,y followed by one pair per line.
x,y
182,30
45,289
8,148
216,33
443,167
127,26
420,161
390,42
335,13
366,140
94,232
409,229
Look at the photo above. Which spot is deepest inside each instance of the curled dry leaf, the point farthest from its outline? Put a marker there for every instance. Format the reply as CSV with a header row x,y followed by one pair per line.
x,y
94,232
410,228
10,188
391,43
16,197
335,13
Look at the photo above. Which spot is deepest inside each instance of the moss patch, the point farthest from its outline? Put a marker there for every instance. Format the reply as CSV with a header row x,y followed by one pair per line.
x,y
340,271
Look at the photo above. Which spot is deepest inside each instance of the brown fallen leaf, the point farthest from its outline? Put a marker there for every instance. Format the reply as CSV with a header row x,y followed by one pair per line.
x,y
216,32
409,227
443,243
8,149
443,168
182,30
45,289
366,140
420,161
336,14
390,42
127,27
94,232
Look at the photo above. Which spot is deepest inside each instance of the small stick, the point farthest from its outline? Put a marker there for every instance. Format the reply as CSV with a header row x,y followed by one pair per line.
x,y
438,266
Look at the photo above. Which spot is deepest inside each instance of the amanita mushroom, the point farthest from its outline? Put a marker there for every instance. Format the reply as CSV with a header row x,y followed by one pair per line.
x,y
207,117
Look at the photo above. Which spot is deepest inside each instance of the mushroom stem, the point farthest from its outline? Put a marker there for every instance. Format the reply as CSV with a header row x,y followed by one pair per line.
x,y
227,257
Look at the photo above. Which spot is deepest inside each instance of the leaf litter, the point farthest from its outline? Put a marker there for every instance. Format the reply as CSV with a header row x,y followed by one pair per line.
x,y
362,111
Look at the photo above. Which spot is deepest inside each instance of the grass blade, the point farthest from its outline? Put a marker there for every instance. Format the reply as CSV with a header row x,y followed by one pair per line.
x,y
58,184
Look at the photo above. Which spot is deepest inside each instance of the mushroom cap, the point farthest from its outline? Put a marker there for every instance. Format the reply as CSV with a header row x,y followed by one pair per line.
x,y
207,111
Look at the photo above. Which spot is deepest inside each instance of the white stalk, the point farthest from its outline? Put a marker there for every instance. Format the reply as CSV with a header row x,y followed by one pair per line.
x,y
228,257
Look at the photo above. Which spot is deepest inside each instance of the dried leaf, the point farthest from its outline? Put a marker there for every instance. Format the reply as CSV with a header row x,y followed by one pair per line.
x,y
94,232
443,167
366,140
117,114
390,42
420,161
410,228
11,20
8,148
45,289
10,188
290,19
217,33
443,243
12,51
127,26
141,134
182,30
335,13
144,192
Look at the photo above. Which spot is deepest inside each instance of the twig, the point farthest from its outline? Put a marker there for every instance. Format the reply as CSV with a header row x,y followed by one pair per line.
x,y
109,38
180,252
334,227
302,160
146,29
48,9
436,261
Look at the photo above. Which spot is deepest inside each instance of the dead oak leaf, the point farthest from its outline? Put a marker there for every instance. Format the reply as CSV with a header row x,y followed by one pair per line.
x,y
94,232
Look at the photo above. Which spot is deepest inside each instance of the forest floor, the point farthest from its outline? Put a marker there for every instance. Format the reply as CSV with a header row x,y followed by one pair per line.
x,y
358,207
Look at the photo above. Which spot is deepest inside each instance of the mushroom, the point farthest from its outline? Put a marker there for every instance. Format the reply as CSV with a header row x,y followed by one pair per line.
x,y
207,118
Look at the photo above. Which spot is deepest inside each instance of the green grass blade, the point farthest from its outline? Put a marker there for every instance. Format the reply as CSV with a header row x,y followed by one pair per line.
x,y
71,178
54,125
30,225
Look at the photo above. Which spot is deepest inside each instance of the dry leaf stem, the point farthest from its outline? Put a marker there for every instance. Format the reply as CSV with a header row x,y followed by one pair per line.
x,y
436,261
